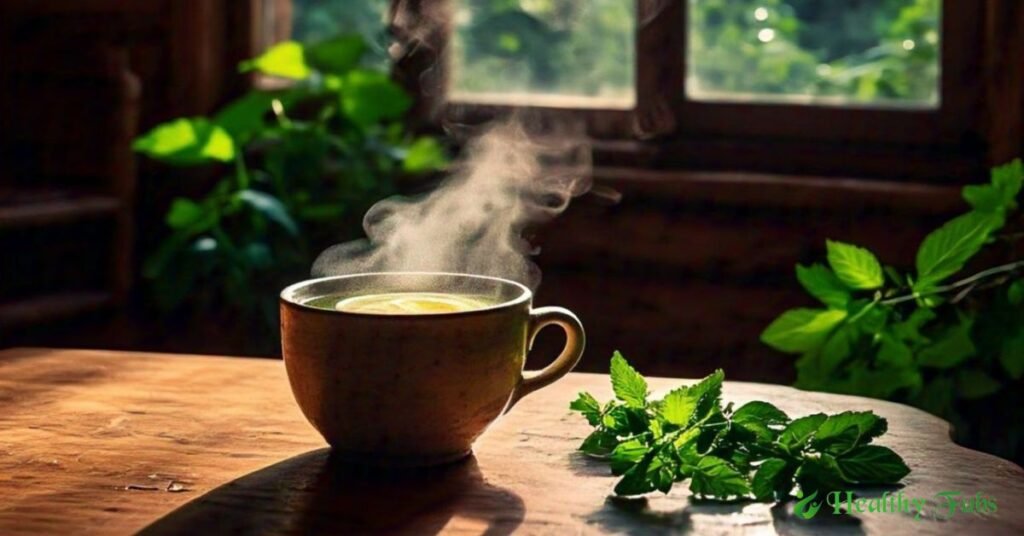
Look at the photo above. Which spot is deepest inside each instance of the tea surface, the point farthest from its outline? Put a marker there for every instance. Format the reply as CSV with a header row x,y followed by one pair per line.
x,y
404,303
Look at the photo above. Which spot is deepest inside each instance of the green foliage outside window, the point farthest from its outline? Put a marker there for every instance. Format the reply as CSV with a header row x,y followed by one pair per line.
x,y
865,51
571,47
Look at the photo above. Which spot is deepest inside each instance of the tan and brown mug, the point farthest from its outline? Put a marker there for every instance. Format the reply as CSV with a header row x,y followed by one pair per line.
x,y
414,390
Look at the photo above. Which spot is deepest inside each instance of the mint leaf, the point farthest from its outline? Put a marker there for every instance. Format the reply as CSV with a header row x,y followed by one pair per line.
x,y
753,419
1016,292
893,352
842,432
856,267
872,318
244,116
1011,355
974,383
369,97
838,443
679,406
685,404
1001,193
186,213
983,197
821,283
1009,177
751,430
820,474
708,392
424,154
629,386
769,478
910,329
882,382
285,60
872,464
945,251
715,478
627,454
951,349
837,348
270,208
800,430
653,472
599,443
662,473
760,412
800,330
868,425
338,55
586,404
187,142
625,421
685,445
712,429
634,481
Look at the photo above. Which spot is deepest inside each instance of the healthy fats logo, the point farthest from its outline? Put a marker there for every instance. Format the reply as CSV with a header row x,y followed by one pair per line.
x,y
947,504
805,508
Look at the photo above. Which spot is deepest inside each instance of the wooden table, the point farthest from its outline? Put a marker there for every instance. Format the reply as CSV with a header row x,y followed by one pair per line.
x,y
114,443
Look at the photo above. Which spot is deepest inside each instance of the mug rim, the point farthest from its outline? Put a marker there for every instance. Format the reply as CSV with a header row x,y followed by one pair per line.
x,y
286,297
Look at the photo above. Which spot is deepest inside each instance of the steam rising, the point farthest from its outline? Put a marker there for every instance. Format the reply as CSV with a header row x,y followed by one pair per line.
x,y
506,183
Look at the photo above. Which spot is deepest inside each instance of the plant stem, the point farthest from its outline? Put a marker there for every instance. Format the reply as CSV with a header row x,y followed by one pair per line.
x,y
865,310
282,118
996,270
242,172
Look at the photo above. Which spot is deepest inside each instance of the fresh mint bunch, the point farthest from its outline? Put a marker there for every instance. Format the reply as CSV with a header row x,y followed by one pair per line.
x,y
752,452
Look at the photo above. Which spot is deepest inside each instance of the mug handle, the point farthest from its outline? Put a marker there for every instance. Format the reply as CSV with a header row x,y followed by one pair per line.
x,y
575,341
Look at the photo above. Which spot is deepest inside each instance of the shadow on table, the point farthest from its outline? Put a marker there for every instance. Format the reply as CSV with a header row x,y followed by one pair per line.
x,y
636,516
314,493
786,522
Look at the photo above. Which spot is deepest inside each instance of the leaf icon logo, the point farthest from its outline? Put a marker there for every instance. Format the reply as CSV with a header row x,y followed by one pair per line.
x,y
804,507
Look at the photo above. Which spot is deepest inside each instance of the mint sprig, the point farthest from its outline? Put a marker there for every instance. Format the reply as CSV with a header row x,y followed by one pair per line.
x,y
755,451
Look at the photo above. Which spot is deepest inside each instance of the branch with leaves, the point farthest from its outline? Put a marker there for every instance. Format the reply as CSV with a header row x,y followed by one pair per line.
x,y
916,337
753,452
302,165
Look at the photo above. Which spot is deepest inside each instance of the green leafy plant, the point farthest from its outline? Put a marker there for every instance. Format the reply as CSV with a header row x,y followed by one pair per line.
x,y
954,348
755,451
302,164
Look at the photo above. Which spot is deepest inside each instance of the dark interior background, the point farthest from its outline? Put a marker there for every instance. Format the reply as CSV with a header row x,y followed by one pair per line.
x,y
682,274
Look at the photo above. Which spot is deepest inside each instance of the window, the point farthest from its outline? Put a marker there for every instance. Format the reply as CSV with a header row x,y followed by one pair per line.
x,y
544,51
316,20
865,53
774,85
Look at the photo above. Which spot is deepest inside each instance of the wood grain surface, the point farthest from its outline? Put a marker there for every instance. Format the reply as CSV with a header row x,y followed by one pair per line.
x,y
97,442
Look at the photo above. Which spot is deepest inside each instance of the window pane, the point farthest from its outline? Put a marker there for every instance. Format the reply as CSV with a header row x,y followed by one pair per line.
x,y
841,52
317,20
544,51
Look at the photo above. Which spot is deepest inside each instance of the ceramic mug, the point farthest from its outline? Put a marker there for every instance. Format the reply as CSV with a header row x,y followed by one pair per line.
x,y
415,389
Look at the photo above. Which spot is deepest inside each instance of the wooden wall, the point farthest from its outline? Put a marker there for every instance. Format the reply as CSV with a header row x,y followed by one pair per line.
x,y
183,51
179,57
685,272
